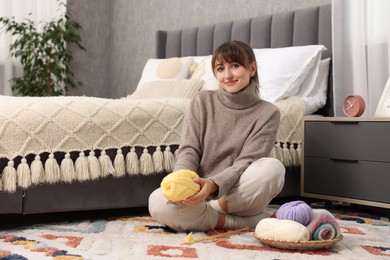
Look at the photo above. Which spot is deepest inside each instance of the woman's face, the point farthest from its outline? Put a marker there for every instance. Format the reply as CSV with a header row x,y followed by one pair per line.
x,y
233,77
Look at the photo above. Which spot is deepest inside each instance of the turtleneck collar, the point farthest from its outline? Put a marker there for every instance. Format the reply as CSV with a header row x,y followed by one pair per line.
x,y
245,98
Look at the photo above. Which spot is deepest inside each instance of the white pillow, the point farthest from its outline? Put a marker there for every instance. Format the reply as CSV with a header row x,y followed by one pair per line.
x,y
283,70
309,83
200,59
316,98
166,69
204,72
186,88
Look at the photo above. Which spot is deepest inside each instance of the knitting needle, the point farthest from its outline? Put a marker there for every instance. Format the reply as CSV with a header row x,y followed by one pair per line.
x,y
226,234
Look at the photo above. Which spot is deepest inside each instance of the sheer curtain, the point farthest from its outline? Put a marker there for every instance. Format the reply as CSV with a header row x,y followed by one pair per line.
x,y
41,10
360,50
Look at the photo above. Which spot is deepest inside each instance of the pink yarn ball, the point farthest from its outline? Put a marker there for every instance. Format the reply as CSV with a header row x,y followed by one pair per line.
x,y
297,211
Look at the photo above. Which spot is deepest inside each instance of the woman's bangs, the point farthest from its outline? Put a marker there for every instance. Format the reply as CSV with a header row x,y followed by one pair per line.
x,y
229,57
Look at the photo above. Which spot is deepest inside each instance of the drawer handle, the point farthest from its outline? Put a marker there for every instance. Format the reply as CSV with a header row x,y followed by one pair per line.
x,y
344,160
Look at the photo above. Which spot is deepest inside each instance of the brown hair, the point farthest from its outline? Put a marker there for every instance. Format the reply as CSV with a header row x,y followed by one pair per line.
x,y
236,51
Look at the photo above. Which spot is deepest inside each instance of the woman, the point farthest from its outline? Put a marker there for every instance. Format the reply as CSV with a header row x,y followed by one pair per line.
x,y
227,136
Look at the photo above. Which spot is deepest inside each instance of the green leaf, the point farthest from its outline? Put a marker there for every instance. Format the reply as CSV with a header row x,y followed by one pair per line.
x,y
45,56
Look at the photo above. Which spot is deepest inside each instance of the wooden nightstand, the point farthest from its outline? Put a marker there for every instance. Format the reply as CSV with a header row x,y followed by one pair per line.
x,y
347,160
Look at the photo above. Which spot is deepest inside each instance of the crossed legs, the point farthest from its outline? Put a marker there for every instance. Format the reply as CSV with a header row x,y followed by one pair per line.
x,y
243,206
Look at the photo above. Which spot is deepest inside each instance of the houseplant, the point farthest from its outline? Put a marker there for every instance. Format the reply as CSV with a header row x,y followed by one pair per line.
x,y
44,54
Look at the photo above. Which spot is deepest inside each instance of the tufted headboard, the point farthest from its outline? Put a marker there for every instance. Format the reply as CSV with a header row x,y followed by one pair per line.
x,y
295,28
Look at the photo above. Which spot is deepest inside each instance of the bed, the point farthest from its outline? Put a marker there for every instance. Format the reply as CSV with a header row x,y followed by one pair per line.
x,y
62,154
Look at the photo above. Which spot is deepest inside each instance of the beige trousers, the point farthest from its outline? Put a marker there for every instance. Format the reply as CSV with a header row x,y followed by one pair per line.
x,y
257,186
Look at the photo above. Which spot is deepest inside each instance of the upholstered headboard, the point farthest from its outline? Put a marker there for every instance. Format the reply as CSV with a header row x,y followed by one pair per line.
x,y
295,28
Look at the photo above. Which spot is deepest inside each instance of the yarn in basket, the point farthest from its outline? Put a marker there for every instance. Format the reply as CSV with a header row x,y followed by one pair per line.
x,y
297,211
179,185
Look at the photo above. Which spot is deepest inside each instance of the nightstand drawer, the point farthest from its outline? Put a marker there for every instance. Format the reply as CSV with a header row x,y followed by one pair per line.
x,y
353,140
355,180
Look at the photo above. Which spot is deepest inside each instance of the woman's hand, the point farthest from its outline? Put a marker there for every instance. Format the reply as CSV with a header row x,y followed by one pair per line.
x,y
207,187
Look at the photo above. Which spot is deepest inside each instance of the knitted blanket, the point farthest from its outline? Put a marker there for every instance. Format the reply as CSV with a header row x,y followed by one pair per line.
x,y
37,125
290,133
39,134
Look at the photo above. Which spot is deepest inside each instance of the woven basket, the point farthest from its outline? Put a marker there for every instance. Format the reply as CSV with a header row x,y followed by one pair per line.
x,y
301,245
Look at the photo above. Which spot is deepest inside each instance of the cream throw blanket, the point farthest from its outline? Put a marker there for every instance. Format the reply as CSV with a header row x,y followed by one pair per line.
x,y
290,133
37,125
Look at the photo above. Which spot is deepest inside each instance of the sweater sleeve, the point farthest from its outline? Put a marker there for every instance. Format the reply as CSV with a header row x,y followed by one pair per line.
x,y
190,151
259,144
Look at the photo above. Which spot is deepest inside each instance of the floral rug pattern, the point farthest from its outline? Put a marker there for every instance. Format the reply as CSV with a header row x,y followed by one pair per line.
x,y
365,236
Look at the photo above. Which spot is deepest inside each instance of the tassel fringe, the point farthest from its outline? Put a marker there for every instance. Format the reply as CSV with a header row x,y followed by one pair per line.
x,y
132,162
119,164
299,153
37,171
9,177
169,159
106,166
84,168
94,166
23,174
288,154
158,159
68,173
146,162
52,170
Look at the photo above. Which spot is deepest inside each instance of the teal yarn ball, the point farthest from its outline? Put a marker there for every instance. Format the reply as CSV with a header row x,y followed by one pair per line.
x,y
297,211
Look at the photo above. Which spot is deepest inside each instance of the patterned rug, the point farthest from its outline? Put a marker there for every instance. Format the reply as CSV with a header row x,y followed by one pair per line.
x,y
139,237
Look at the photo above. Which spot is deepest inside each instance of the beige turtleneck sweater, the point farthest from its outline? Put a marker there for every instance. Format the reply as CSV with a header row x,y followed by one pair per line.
x,y
224,133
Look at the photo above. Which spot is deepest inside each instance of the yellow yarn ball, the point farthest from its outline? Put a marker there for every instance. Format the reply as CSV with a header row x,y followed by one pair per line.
x,y
179,185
